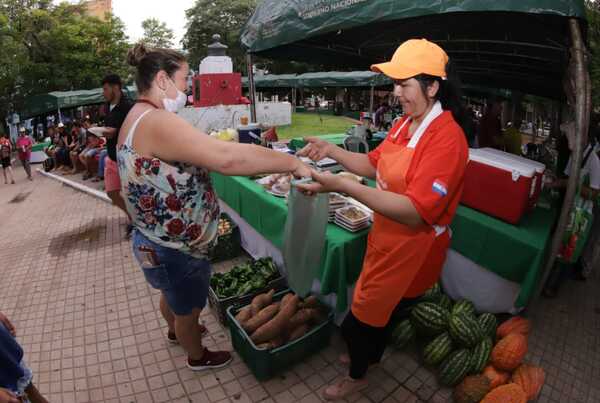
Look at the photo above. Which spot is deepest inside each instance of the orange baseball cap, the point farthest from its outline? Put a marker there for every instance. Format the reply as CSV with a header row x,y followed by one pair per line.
x,y
414,57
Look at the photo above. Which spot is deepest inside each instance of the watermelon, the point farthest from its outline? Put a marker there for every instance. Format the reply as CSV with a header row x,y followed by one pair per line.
x,y
488,324
403,334
463,306
465,329
445,302
455,368
433,294
438,349
481,355
429,318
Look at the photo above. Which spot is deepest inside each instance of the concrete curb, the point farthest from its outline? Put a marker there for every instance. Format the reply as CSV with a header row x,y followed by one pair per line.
x,y
77,186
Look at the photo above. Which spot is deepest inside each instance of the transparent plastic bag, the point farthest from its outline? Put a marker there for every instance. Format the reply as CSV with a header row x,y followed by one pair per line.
x,y
304,238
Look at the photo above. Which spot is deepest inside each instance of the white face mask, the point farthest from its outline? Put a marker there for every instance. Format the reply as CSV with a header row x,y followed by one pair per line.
x,y
174,105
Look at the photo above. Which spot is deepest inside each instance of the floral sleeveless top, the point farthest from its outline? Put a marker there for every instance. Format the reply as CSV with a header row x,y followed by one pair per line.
x,y
172,204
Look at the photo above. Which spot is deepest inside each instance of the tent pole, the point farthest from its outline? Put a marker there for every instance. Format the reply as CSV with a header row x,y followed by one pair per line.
x,y
372,100
251,87
582,94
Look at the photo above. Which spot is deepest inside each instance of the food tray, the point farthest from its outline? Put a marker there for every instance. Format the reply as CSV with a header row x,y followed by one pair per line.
x,y
351,228
229,245
342,214
220,306
265,364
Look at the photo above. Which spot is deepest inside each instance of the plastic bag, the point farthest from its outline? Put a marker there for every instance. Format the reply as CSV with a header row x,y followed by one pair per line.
x,y
578,230
304,238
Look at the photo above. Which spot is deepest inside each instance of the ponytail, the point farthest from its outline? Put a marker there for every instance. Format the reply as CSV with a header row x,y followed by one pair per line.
x,y
449,94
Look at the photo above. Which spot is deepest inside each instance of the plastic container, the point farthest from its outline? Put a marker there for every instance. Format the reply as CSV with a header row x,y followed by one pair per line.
x,y
498,187
216,65
220,305
229,245
265,364
250,133
538,166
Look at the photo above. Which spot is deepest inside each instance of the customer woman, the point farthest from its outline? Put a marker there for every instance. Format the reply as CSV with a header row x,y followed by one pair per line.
x,y
164,165
419,170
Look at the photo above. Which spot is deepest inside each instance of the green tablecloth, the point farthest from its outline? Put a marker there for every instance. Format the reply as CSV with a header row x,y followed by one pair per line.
x,y
515,253
337,139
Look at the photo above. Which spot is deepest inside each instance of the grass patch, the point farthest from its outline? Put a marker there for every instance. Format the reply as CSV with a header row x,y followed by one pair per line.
x,y
312,124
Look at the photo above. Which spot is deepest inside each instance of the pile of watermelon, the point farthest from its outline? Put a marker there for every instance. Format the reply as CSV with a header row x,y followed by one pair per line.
x,y
471,351
453,337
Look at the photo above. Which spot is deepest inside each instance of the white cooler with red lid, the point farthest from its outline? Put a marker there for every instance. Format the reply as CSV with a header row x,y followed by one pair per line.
x,y
538,166
498,186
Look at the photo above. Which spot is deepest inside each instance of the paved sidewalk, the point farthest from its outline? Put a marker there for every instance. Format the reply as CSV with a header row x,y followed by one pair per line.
x,y
92,332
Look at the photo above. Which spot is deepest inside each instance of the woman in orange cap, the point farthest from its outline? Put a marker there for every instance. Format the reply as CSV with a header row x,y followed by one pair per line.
x,y
419,170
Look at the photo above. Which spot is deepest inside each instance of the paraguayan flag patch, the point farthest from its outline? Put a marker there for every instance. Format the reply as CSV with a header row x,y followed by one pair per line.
x,y
439,187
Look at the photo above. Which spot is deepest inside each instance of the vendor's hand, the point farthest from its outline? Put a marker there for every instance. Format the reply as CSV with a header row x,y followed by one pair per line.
x,y
4,320
316,149
302,170
324,182
6,396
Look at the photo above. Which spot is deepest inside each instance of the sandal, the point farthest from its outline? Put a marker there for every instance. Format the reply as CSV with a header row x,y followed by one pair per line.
x,y
344,360
344,387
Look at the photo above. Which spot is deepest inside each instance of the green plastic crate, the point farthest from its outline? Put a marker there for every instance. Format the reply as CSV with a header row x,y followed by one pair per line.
x,y
229,245
265,364
220,305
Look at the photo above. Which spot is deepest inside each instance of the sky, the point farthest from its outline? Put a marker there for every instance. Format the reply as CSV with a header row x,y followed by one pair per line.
x,y
133,12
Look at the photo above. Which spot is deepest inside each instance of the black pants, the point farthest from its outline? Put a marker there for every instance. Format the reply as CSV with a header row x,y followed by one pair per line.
x,y
366,344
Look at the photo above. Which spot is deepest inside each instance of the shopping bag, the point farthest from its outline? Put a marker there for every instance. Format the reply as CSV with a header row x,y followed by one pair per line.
x,y
304,238
578,230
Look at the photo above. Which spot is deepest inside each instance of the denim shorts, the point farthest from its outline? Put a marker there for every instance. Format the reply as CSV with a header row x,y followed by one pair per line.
x,y
91,153
182,278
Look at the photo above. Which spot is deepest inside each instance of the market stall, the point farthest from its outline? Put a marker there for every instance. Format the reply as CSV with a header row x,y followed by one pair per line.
x,y
475,235
529,46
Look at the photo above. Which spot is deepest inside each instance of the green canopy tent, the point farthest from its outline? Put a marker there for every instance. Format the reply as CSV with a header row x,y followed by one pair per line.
x,y
504,44
273,81
321,79
332,79
60,100
532,46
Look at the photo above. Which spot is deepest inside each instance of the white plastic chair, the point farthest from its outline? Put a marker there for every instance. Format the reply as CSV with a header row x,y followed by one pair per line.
x,y
356,144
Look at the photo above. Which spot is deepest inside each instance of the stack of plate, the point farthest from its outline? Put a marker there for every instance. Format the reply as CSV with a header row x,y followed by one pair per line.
x,y
336,202
352,218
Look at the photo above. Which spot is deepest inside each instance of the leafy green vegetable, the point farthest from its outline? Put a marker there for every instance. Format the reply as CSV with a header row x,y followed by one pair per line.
x,y
244,278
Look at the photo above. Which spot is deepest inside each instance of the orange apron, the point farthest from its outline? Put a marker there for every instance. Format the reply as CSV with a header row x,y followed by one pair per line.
x,y
395,252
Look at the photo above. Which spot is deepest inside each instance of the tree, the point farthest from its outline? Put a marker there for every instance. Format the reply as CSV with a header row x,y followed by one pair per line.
x,y
50,48
157,34
593,17
223,17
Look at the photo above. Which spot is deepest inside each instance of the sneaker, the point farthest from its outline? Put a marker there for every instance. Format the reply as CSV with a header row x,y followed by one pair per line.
x,y
210,360
344,387
12,182
172,338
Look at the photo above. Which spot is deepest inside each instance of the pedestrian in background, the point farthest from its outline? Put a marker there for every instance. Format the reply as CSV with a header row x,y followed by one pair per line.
x,y
24,146
5,152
